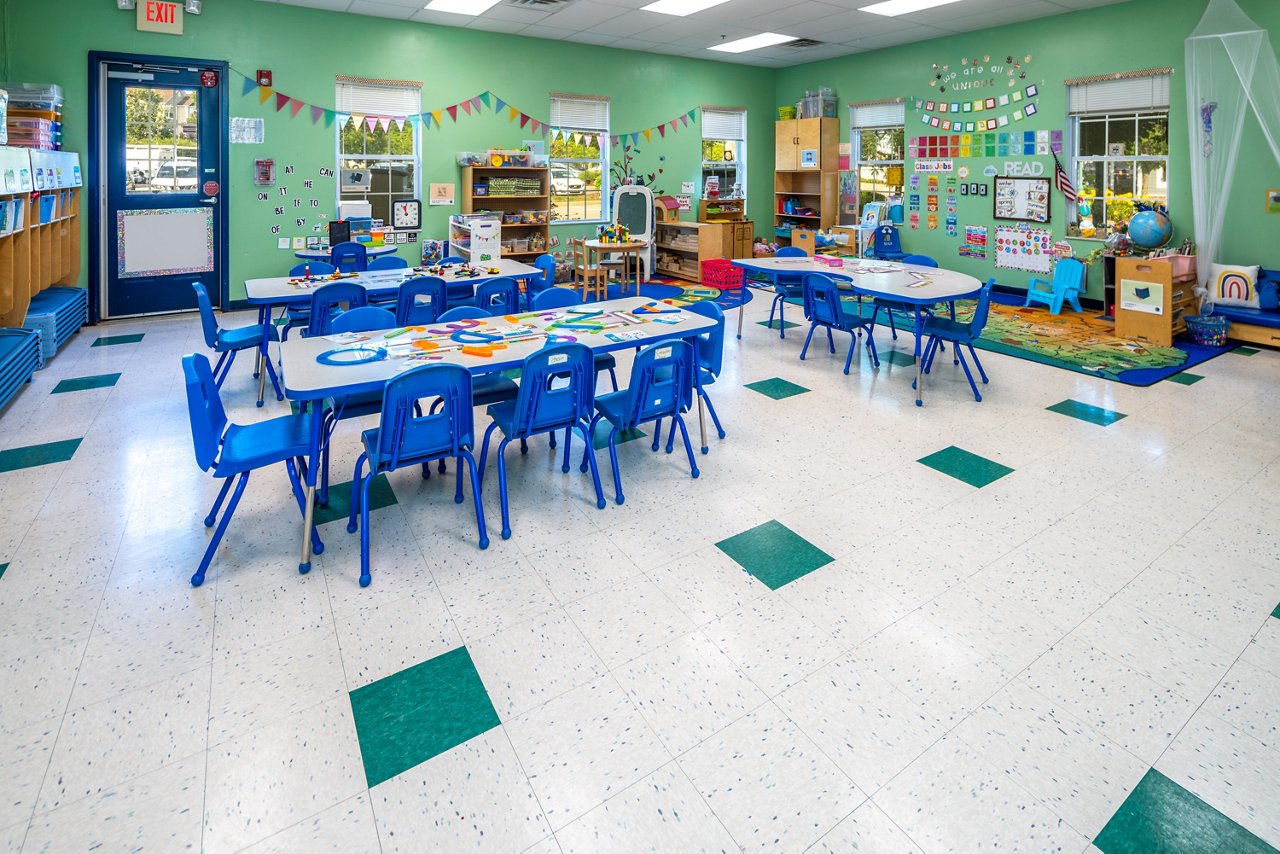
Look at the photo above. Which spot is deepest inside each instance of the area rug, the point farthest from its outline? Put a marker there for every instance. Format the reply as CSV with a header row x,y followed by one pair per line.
x,y
676,292
1075,342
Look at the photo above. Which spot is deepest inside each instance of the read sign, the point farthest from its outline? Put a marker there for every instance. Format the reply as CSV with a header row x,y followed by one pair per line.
x,y
160,16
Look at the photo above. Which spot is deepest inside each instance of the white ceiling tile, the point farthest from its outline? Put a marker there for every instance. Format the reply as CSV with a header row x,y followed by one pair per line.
x,y
494,25
538,31
582,15
630,23
516,13
447,19
381,10
997,17
594,38
905,36
786,19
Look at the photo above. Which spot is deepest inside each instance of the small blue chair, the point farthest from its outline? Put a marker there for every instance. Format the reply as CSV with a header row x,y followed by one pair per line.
x,y
405,437
411,312
463,312
451,260
233,449
350,257
387,262
1068,282
918,260
550,298
885,244
941,329
532,287
311,268
786,286
227,342
295,316
499,296
328,301
557,390
663,377
710,349
826,309
365,318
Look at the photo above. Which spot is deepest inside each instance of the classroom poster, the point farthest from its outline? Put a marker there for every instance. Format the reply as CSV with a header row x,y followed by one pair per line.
x,y
1147,297
975,242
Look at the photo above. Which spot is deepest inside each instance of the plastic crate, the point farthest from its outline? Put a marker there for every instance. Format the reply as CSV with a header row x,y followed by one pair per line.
x,y
1208,331
722,274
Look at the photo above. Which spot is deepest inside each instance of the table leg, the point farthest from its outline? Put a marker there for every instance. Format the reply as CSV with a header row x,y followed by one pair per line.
x,y
264,350
919,363
742,305
309,489
702,422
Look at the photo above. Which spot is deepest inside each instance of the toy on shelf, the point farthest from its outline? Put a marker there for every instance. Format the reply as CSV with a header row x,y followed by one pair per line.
x,y
615,233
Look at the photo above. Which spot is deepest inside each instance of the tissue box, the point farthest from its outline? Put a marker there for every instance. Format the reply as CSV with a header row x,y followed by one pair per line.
x,y
829,260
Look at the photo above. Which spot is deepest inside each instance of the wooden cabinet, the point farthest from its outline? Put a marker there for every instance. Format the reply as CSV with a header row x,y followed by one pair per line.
x,y
520,198
806,144
39,226
1150,302
738,231
815,197
682,247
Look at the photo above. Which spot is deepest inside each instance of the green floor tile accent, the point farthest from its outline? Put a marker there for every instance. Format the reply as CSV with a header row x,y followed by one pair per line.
x,y
600,439
408,717
773,324
512,373
897,357
3,567
1185,378
85,383
380,495
1276,612
1244,351
962,465
1086,412
774,553
108,340
1161,816
777,388
38,455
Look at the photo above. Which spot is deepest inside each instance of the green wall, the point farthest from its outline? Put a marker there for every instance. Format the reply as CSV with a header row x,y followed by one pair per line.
x,y
1136,35
305,48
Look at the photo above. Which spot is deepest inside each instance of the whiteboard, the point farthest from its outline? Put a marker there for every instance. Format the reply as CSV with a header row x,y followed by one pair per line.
x,y
1024,199
164,242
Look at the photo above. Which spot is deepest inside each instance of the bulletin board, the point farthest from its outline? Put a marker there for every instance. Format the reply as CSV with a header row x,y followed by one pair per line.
x,y
1021,199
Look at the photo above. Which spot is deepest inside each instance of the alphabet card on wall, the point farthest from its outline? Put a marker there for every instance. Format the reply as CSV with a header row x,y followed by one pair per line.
x,y
1022,248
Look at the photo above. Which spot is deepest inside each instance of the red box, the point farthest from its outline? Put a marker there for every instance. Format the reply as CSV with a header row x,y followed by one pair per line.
x,y
721,273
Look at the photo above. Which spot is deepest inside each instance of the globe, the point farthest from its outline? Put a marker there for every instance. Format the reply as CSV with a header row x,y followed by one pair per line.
x,y
1150,229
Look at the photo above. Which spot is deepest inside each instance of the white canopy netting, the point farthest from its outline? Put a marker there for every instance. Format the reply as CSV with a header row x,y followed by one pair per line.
x,y
1231,67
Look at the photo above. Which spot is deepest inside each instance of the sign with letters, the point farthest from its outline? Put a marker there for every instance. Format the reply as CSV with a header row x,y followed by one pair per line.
x,y
160,16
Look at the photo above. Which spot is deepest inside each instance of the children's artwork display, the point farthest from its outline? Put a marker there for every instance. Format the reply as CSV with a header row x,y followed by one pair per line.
x,y
975,242
1022,248
1024,199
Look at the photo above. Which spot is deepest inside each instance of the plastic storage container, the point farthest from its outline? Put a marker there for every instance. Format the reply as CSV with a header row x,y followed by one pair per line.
x,y
1207,330
721,273
4,117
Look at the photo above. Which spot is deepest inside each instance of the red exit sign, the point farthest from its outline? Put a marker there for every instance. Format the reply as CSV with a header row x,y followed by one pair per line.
x,y
160,16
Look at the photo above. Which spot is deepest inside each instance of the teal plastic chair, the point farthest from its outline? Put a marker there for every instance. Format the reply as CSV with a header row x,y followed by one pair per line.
x,y
1068,282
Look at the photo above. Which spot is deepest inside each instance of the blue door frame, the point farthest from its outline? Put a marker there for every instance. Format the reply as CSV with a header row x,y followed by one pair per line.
x,y
106,185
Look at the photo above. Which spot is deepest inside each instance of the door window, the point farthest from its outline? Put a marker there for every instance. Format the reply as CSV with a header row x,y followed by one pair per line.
x,y
161,129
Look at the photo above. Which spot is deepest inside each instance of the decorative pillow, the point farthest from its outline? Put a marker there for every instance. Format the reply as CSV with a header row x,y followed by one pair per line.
x,y
1269,290
1233,285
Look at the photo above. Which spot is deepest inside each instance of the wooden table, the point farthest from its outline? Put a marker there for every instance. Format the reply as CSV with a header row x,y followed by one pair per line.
x,y
307,381
911,284
627,250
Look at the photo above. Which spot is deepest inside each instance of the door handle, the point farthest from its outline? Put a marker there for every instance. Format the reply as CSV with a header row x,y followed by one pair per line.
x,y
212,200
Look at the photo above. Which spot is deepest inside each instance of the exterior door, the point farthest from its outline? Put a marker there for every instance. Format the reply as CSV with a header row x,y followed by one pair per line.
x,y
161,164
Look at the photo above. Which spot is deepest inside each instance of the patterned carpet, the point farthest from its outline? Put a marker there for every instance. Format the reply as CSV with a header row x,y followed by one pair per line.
x,y
678,292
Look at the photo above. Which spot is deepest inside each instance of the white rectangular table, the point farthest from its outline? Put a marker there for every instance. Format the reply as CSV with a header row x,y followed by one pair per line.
x,y
602,326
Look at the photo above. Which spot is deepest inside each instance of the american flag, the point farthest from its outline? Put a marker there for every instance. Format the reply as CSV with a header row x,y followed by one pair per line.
x,y
1062,182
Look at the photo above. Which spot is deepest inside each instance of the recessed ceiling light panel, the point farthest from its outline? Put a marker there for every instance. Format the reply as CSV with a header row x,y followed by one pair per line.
x,y
680,7
752,43
893,8
462,7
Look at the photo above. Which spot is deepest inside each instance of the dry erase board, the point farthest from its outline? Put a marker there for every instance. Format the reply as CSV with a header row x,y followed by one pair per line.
x,y
1022,199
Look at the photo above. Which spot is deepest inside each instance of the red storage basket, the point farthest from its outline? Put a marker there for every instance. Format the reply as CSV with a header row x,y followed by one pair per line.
x,y
722,274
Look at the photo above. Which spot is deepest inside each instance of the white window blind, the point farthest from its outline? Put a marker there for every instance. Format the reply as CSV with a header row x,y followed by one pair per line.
x,y
1137,93
580,112
379,97
881,115
724,124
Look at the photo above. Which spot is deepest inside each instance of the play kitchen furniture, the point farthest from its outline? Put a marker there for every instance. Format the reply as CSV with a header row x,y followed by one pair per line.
x,y
1153,296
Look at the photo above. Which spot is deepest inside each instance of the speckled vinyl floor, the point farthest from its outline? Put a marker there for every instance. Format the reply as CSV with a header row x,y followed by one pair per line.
x,y
1045,622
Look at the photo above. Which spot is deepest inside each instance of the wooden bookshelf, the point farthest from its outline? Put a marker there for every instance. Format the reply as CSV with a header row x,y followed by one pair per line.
x,y
40,241
534,236
16,279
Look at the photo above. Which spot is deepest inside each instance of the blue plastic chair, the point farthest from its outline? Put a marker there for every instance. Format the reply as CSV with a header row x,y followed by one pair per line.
x,y
405,437
313,268
227,342
327,301
411,312
918,260
387,262
233,449
450,260
350,257
532,287
941,329
885,244
463,312
663,377
365,318
557,390
555,298
710,350
826,309
786,286
499,296
1068,282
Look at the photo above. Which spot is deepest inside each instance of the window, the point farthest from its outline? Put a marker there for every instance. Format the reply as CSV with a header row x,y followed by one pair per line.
x,y
877,139
724,150
378,155
579,158
1119,142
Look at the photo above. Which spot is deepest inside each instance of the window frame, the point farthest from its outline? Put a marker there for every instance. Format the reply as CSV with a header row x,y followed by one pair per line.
x,y
737,166
578,163
1077,161
856,162
346,108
